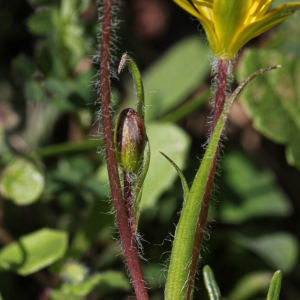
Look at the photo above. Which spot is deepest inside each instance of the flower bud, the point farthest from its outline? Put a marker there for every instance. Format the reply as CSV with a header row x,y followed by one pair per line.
x,y
130,136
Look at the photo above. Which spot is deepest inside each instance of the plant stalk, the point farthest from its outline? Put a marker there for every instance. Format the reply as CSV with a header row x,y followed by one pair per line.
x,y
128,201
199,234
127,239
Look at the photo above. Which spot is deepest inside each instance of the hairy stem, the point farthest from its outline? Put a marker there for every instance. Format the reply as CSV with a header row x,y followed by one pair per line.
x,y
128,201
199,234
127,239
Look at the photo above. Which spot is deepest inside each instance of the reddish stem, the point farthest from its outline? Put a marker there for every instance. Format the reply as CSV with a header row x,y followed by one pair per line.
x,y
127,239
221,91
199,234
128,201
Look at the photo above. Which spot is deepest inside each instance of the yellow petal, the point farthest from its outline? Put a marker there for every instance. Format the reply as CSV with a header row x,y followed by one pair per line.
x,y
265,23
205,8
229,18
212,40
188,7
258,9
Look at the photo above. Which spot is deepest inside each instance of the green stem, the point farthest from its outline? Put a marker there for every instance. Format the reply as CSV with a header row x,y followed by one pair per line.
x,y
199,234
67,148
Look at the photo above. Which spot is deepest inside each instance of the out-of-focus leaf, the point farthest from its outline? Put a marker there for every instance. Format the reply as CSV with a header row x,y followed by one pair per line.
x,y
273,99
109,281
23,68
250,285
285,43
186,109
275,286
22,182
172,141
59,295
280,250
83,288
174,77
40,23
113,280
255,192
34,92
34,251
73,169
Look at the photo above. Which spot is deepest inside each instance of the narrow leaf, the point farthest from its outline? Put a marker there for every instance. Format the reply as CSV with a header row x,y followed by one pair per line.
x,y
275,286
140,184
184,237
211,284
138,82
183,180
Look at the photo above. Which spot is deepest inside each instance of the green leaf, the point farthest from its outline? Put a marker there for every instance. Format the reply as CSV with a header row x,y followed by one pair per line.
x,y
34,251
275,286
170,139
40,23
34,92
185,186
186,109
280,250
22,182
253,192
140,183
109,281
137,82
250,285
23,68
273,100
59,295
174,77
211,284
283,42
83,288
185,232
113,280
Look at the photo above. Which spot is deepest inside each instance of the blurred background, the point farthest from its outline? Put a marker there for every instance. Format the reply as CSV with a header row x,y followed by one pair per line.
x,y
54,193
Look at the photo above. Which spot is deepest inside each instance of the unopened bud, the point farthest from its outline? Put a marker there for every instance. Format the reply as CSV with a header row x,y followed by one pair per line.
x,y
130,139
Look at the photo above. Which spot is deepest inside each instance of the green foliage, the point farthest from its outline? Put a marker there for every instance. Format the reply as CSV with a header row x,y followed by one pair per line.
x,y
103,283
23,68
173,141
275,286
22,182
34,251
253,191
250,285
273,100
185,232
174,77
40,23
280,250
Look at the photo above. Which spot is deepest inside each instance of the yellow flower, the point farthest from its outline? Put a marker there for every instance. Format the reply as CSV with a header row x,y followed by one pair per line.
x,y
230,24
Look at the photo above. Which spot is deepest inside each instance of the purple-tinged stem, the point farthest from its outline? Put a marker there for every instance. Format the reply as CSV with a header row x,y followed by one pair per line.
x,y
128,201
127,239
199,234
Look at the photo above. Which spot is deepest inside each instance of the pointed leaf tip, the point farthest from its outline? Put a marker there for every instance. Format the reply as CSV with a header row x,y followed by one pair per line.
x,y
182,178
211,284
275,286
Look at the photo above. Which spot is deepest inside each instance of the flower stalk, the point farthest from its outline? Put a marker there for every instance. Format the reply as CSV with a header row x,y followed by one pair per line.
x,y
128,242
200,230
